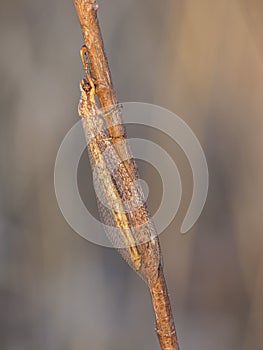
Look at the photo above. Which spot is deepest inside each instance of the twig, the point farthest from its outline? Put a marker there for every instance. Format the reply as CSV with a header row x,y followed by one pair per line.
x,y
100,77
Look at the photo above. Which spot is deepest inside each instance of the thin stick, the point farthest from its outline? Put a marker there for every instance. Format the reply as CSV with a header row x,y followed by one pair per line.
x,y
98,77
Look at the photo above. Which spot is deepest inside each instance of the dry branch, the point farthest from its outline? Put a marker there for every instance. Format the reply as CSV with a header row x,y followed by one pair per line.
x,y
100,75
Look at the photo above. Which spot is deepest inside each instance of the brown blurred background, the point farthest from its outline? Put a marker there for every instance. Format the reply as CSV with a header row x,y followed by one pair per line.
x,y
204,61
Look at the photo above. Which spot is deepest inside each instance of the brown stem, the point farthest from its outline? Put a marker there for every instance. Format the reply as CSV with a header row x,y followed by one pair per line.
x,y
165,327
100,74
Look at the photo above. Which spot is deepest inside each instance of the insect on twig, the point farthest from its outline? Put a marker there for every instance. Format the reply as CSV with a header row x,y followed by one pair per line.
x,y
122,208
120,200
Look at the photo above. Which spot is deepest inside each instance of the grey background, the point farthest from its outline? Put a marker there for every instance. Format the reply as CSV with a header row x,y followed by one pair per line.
x,y
204,61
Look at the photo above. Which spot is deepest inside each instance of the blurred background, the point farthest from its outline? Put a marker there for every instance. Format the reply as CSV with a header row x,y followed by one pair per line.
x,y
202,60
